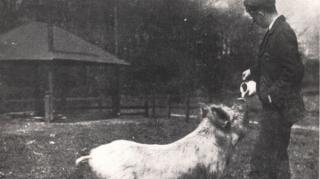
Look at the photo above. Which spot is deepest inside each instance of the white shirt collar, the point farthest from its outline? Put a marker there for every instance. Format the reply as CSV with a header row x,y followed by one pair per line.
x,y
273,21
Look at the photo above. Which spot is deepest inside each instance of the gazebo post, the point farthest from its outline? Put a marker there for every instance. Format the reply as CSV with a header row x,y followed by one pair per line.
x,y
48,98
116,92
38,105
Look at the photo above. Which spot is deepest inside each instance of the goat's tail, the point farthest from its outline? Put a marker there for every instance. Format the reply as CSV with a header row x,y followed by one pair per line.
x,y
80,159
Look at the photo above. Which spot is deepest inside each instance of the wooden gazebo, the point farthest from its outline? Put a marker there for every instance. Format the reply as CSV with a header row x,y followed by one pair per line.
x,y
45,45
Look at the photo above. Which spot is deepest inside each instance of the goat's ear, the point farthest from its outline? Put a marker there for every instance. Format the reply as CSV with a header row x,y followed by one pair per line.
x,y
204,110
222,114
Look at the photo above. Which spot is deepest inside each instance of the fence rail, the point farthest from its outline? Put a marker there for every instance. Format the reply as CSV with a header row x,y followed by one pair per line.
x,y
149,106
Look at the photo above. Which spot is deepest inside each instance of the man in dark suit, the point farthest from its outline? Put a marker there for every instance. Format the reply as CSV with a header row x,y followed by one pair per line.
x,y
278,74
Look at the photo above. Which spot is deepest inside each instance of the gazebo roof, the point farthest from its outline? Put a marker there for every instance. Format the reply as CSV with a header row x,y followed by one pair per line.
x,y
42,42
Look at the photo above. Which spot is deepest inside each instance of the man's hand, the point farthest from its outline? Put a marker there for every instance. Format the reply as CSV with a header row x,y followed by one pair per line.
x,y
246,74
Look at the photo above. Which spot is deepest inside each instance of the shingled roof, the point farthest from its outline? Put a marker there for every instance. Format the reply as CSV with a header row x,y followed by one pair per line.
x,y
43,42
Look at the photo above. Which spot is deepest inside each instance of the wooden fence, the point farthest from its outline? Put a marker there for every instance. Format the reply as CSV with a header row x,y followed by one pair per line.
x,y
148,106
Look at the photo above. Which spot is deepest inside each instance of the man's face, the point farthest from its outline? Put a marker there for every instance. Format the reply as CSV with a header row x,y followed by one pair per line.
x,y
258,17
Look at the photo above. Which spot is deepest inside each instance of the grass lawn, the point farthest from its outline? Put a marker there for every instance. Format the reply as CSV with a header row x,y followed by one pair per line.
x,y
38,150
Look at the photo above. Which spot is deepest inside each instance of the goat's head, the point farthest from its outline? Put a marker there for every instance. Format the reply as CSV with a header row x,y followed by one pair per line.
x,y
232,122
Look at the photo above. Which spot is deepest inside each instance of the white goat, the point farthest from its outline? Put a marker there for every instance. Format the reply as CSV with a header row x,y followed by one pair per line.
x,y
208,147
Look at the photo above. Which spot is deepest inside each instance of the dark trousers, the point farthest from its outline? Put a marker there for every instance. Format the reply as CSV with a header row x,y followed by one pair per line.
x,y
270,157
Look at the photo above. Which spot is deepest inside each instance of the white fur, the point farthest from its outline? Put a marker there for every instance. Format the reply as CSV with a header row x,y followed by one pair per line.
x,y
124,159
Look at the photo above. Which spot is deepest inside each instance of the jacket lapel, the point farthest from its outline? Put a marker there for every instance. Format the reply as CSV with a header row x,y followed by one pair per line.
x,y
267,35
264,42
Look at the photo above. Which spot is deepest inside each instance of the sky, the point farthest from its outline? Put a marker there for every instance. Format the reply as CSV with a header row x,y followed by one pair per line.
x,y
303,16
300,13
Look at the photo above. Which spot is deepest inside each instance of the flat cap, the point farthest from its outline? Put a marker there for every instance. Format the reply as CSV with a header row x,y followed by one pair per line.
x,y
259,3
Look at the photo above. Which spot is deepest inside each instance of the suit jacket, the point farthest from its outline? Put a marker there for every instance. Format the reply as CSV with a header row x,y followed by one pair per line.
x,y
279,71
